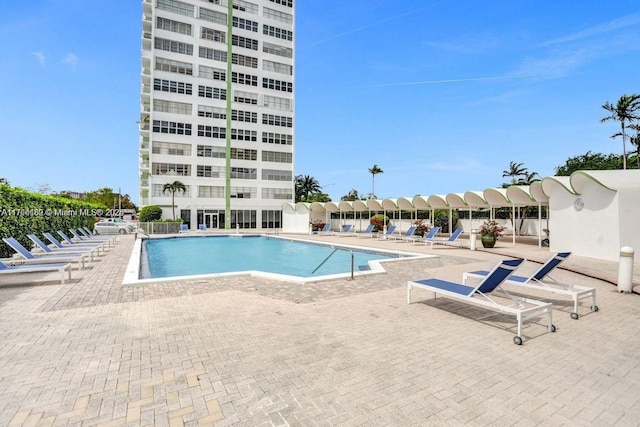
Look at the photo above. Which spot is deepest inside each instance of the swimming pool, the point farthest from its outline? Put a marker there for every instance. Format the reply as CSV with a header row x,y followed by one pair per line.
x,y
280,258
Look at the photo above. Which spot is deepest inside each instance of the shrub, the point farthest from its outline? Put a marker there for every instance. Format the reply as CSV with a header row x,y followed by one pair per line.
x,y
150,213
441,219
379,222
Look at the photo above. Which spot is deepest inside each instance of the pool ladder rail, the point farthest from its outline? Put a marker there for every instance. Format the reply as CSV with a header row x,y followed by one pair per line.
x,y
331,254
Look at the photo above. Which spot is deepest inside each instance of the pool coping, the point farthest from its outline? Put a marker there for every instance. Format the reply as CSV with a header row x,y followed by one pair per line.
x,y
132,272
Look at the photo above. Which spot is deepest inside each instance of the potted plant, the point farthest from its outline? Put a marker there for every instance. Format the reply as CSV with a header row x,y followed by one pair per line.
x,y
422,227
317,225
490,230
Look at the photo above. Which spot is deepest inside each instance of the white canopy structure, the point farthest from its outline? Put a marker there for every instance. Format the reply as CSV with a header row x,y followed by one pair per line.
x,y
591,213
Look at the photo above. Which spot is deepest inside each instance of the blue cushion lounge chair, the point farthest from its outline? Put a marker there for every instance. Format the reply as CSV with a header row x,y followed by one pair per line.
x,y
541,281
451,240
430,235
367,231
100,238
406,236
346,231
94,243
62,251
389,232
202,227
30,258
326,229
522,308
77,246
90,236
184,228
37,268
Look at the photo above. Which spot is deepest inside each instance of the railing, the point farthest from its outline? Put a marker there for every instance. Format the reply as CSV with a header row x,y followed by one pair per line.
x,y
331,254
160,227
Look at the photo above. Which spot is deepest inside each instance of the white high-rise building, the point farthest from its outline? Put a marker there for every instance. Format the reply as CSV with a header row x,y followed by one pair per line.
x,y
217,110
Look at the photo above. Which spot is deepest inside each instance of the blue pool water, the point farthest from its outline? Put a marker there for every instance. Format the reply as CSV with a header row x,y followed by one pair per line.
x,y
186,256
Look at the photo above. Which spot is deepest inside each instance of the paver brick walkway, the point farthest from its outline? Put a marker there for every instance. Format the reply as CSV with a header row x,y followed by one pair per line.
x,y
250,351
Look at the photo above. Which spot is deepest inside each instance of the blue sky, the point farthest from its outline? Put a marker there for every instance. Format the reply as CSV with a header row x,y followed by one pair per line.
x,y
441,95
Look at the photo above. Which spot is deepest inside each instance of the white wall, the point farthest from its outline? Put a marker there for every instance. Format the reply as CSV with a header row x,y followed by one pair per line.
x,y
590,232
295,222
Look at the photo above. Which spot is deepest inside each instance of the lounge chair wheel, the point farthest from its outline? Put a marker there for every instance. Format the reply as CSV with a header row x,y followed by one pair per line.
x,y
122,231
574,316
594,308
517,340
553,328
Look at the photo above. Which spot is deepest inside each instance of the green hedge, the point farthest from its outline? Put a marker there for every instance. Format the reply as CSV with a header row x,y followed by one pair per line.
x,y
23,213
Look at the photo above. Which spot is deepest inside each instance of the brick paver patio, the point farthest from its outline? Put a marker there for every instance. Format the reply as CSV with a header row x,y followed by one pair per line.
x,y
250,351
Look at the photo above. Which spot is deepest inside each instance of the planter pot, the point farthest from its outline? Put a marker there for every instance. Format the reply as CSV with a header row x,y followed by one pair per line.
x,y
488,241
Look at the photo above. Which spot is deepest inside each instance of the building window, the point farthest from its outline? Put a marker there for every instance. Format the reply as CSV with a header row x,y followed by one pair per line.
x,y
276,175
274,49
214,35
171,148
277,67
209,171
244,192
211,191
244,42
244,79
173,26
211,73
277,138
283,2
244,116
244,173
244,135
171,107
176,7
212,131
276,15
172,169
271,219
172,86
244,154
211,112
211,151
277,102
271,119
174,66
245,61
245,97
173,46
245,6
171,127
279,33
245,24
277,85
243,218
277,157
208,53
213,16
157,191
212,92
277,193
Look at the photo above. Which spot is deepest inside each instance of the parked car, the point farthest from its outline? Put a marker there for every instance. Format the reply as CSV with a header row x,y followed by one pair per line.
x,y
118,221
108,227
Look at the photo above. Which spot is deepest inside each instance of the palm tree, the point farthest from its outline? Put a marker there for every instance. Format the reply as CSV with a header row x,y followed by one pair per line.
x,y
174,187
515,170
635,140
305,186
625,110
374,170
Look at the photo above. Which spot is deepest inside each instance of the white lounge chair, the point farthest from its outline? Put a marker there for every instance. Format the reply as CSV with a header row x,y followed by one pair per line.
x,y
62,251
540,280
346,231
522,308
430,235
406,236
367,231
389,232
453,239
30,258
36,268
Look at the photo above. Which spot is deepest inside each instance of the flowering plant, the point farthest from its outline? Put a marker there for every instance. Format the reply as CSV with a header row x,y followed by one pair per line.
x,y
317,225
422,227
491,228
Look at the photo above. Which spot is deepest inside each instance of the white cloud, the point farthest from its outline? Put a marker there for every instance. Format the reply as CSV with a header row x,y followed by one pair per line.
x,y
607,27
41,58
71,60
